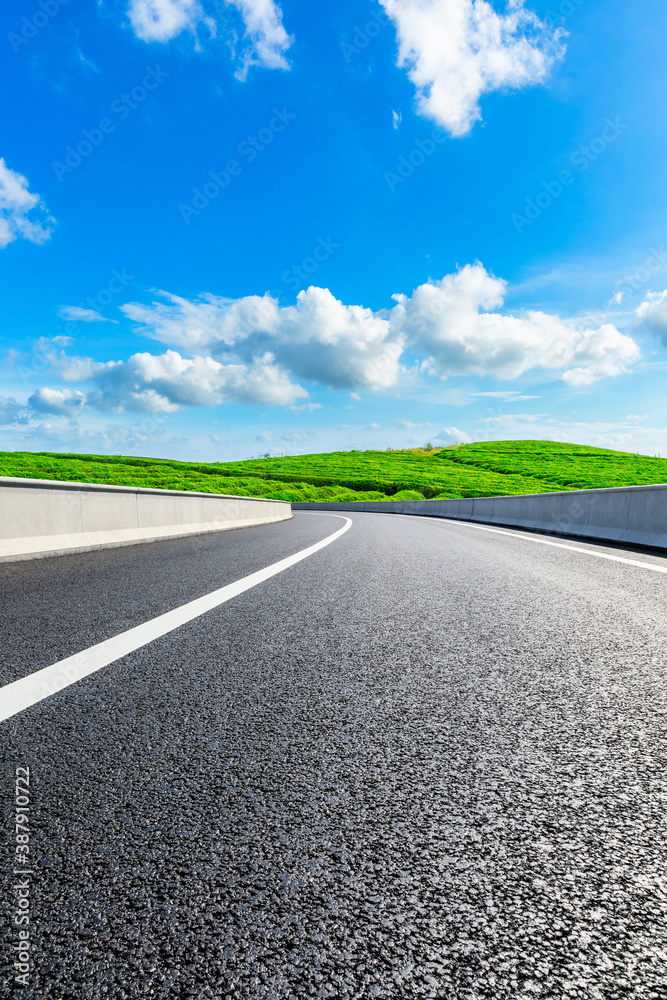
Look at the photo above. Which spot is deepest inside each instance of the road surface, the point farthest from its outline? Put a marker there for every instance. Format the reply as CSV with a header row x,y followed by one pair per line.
x,y
428,760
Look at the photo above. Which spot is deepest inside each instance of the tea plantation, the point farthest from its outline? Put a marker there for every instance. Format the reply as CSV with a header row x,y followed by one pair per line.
x,y
492,468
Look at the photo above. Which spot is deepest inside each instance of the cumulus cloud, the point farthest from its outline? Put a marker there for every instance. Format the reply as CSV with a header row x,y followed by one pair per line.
x,y
207,320
652,314
264,43
343,346
79,314
22,213
456,322
254,350
452,435
147,383
60,402
319,338
457,50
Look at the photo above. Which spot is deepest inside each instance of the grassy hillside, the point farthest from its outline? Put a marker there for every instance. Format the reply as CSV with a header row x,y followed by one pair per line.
x,y
491,468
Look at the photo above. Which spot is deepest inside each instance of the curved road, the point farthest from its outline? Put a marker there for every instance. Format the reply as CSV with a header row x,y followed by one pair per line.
x,y
429,760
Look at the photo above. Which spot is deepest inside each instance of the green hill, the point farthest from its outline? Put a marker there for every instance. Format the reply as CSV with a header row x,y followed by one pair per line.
x,y
492,468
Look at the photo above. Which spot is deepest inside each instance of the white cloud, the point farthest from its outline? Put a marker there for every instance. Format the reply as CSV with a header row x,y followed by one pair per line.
x,y
22,213
205,321
508,395
342,346
79,314
266,38
456,322
319,338
253,350
162,20
307,408
294,437
652,314
62,402
10,411
148,383
457,50
51,351
163,384
516,419
452,435
264,41
84,60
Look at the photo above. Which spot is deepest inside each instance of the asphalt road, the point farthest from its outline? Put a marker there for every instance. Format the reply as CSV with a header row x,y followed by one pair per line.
x,y
427,761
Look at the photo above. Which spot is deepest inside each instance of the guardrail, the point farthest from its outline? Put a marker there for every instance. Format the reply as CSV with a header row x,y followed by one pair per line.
x,y
633,515
40,517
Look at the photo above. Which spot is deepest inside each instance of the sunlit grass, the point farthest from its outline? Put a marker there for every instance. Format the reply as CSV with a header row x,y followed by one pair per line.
x,y
492,468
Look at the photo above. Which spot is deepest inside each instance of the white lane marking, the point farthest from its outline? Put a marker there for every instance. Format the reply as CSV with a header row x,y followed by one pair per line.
x,y
30,690
557,545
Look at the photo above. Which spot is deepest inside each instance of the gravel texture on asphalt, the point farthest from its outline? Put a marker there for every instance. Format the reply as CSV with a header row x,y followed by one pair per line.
x,y
427,761
53,607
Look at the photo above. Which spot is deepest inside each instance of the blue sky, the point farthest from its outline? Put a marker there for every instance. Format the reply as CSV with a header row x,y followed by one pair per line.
x,y
247,226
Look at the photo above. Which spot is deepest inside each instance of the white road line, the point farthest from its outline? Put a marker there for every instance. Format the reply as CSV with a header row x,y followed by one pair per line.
x,y
30,690
526,537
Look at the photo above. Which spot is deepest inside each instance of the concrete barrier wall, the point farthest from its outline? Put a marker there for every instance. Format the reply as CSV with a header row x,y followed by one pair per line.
x,y
634,515
43,518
